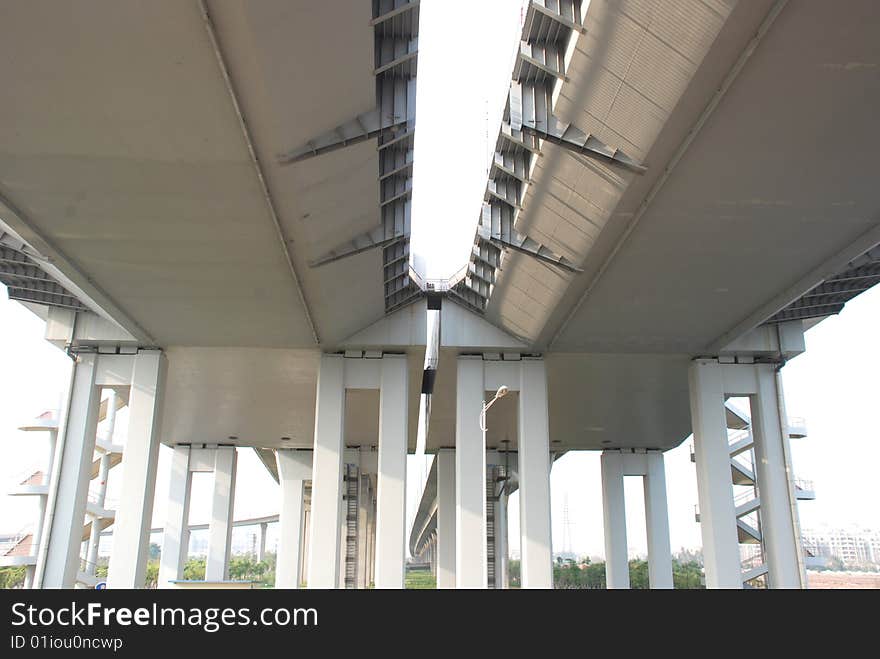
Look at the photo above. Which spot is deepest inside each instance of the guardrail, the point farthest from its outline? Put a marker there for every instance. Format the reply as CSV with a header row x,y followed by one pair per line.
x,y
13,542
743,497
25,474
105,502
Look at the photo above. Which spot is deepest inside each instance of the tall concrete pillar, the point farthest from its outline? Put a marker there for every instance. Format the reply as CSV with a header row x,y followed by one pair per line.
x,y
712,452
371,543
43,499
502,579
781,540
261,546
445,518
58,567
614,517
134,514
220,528
471,560
294,469
304,543
364,498
657,521
175,536
534,476
326,509
391,488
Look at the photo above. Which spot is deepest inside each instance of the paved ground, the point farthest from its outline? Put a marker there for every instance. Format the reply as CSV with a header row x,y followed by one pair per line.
x,y
843,579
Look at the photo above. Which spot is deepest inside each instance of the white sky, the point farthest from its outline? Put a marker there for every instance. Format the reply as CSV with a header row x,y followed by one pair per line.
x,y
464,68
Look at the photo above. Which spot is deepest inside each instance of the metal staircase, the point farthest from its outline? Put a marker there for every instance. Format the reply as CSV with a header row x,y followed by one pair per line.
x,y
747,498
491,535
352,481
100,511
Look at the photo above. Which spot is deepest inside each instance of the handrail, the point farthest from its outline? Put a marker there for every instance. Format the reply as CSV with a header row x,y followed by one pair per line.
x,y
734,436
804,485
743,497
24,474
105,502
20,535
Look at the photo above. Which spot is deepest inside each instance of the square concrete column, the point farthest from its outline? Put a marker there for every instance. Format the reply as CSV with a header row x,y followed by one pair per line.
x,y
501,551
175,537
220,528
445,518
471,560
534,476
60,562
294,469
391,488
261,547
657,521
778,523
364,497
304,543
131,531
614,517
712,453
371,544
326,509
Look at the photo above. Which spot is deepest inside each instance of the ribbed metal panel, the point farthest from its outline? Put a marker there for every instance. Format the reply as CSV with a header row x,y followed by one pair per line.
x,y
831,295
25,281
549,26
396,25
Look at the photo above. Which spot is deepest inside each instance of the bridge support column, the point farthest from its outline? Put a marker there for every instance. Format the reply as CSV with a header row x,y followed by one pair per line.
x,y
261,546
501,551
59,563
534,476
304,543
657,521
364,502
616,465
294,469
391,488
778,524
175,540
220,530
712,454
471,567
131,530
326,512
614,517
446,518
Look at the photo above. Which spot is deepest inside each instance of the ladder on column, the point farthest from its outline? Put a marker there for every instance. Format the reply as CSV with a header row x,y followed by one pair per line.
x,y
491,508
352,480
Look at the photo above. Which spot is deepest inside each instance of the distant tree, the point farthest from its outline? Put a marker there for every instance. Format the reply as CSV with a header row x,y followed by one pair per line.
x,y
12,577
638,574
151,579
589,575
194,570
687,575
513,572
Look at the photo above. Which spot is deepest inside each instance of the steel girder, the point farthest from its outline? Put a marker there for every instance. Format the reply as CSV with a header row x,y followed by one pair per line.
x,y
391,123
